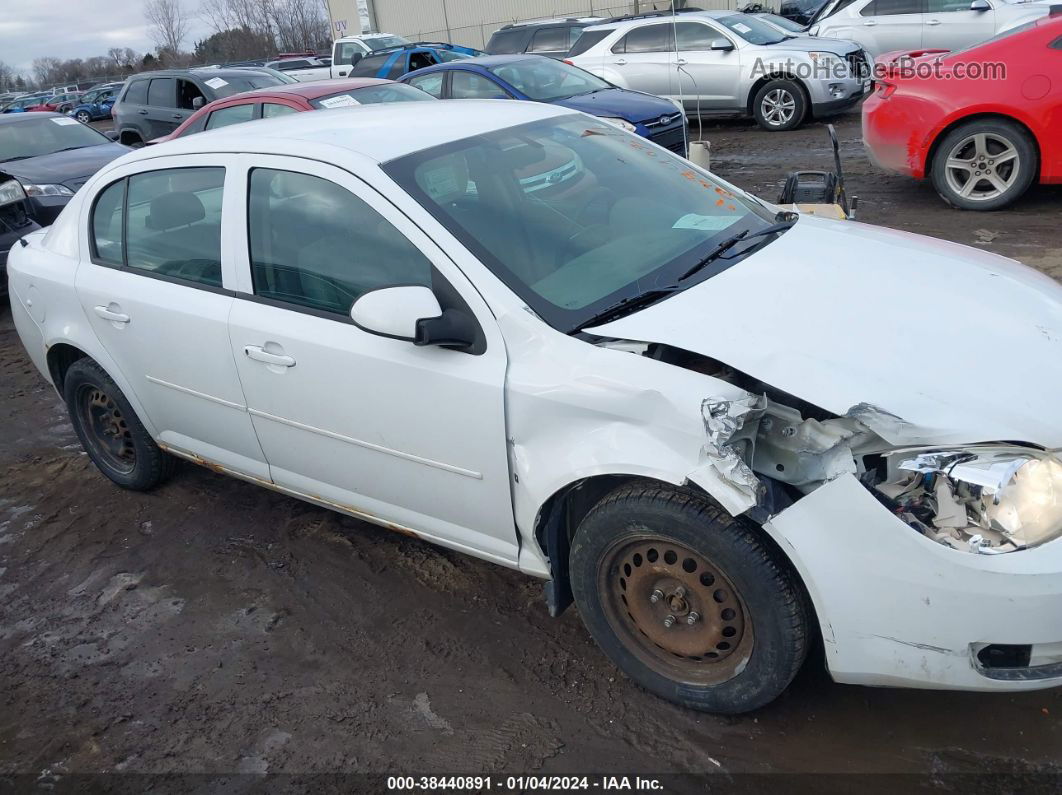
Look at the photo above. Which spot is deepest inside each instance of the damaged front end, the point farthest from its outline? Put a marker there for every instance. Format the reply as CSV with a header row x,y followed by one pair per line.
x,y
986,499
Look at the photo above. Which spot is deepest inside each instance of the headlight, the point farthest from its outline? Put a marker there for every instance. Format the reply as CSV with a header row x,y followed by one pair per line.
x,y
826,61
11,191
623,124
981,499
47,190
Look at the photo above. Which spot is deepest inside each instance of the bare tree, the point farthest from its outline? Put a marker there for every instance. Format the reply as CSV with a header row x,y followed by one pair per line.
x,y
7,77
168,23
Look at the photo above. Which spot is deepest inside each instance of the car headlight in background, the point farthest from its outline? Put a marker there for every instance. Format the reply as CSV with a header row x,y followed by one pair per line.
x,y
11,191
981,499
47,190
623,124
827,62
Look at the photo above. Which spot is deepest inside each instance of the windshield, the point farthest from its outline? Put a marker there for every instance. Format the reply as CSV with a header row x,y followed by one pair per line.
x,y
781,22
384,42
752,30
253,80
574,214
372,95
546,80
42,135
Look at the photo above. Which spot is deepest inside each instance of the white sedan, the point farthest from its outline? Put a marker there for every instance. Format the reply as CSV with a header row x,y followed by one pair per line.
x,y
728,432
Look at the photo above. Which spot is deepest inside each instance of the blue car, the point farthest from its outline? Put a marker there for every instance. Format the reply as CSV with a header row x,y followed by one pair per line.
x,y
541,79
394,62
96,103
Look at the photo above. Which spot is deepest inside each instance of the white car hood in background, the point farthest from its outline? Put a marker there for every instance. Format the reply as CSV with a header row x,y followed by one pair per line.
x,y
965,345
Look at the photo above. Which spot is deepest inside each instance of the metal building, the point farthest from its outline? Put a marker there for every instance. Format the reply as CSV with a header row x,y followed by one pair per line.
x,y
471,22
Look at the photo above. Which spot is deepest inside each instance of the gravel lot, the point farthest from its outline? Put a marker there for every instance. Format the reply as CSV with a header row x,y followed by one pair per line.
x,y
213,626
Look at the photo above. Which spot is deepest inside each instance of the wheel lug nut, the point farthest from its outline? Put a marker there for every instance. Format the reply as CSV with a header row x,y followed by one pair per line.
x,y
692,618
669,621
656,596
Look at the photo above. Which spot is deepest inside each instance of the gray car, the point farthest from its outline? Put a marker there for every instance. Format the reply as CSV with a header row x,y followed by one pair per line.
x,y
154,104
727,62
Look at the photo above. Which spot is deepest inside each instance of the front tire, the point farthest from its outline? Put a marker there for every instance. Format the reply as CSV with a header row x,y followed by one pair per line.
x,y
984,165
83,117
109,430
689,602
780,105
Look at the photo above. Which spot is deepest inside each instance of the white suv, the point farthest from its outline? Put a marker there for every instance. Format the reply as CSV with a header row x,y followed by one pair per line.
x,y
726,62
703,418
348,50
881,26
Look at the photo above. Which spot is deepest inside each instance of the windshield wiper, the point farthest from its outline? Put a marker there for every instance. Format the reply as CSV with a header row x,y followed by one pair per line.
x,y
732,241
627,305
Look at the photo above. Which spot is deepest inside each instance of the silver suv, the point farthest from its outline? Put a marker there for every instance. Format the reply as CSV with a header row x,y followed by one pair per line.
x,y
726,62
881,26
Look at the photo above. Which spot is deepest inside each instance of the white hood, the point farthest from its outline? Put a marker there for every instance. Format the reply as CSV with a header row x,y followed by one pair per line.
x,y
965,345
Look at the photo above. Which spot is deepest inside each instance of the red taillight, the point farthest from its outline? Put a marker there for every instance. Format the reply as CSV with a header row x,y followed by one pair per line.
x,y
568,62
884,89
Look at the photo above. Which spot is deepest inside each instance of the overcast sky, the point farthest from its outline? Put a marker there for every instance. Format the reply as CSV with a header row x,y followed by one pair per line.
x,y
77,29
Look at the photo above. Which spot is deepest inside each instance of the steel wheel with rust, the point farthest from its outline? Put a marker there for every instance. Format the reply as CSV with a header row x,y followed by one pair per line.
x,y
109,430
690,602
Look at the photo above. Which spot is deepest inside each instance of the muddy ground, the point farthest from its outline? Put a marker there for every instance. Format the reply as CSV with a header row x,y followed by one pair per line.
x,y
213,626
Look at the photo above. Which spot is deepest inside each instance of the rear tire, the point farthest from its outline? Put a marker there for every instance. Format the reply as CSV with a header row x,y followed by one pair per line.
x,y
984,164
109,430
83,117
691,603
780,105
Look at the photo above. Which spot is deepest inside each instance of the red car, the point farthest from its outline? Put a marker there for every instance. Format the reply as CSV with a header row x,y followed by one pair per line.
x,y
266,103
982,140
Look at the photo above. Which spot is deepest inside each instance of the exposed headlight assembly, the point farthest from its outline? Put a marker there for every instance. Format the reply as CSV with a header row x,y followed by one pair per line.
x,y
47,190
11,191
623,124
989,500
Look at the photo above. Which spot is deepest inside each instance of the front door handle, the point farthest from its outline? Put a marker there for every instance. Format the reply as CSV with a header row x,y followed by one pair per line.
x,y
342,74
260,354
620,61
111,315
933,22
681,62
178,116
142,112
870,23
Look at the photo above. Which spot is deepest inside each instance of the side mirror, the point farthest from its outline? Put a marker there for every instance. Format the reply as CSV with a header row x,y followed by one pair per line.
x,y
396,312
198,102
355,57
980,5
724,45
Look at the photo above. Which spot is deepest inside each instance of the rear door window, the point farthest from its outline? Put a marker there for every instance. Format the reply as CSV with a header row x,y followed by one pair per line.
x,y
549,40
235,114
137,93
271,110
650,38
431,83
883,8
469,85
162,93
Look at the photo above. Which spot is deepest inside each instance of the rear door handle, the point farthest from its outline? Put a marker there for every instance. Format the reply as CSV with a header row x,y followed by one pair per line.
x,y
933,22
111,315
260,354
870,23
620,61
177,116
142,112
681,62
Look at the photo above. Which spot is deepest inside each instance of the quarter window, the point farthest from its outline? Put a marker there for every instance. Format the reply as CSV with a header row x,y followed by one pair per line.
x,y
173,223
317,245
107,233
231,115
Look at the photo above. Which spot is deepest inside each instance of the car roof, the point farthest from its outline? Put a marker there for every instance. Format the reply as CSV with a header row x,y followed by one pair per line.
x,y
379,132
649,19
555,21
205,73
484,61
312,90
16,118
